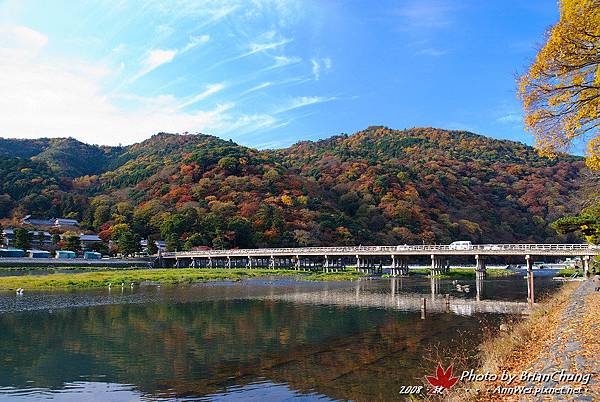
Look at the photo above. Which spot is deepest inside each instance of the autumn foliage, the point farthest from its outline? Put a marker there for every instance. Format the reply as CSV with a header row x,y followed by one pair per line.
x,y
561,90
378,186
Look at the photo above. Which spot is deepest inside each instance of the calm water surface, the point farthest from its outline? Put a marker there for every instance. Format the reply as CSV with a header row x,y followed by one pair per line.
x,y
254,340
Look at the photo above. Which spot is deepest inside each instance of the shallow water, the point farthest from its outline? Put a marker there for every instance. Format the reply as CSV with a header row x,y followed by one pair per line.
x,y
257,339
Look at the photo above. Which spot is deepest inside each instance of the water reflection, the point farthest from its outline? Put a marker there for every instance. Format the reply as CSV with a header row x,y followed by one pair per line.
x,y
229,340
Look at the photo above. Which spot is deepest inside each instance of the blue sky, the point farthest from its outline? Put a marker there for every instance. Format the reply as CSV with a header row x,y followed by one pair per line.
x,y
265,73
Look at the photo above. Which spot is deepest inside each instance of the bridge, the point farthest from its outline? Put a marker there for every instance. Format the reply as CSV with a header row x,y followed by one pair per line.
x,y
371,259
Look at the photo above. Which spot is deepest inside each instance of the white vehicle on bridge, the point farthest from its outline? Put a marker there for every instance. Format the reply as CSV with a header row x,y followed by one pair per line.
x,y
461,245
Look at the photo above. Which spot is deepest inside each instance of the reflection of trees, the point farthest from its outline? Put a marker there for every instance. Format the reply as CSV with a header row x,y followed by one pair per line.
x,y
197,348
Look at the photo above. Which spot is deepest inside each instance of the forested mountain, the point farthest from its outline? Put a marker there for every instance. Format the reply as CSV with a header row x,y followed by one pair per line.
x,y
376,186
66,156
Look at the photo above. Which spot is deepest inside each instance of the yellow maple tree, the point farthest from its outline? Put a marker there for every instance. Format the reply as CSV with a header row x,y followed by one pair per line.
x,y
561,90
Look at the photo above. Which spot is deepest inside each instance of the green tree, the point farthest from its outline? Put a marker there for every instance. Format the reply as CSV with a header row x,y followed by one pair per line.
x,y
152,247
99,247
41,238
243,230
72,242
172,242
128,243
587,223
22,238
55,238
101,215
229,164
194,240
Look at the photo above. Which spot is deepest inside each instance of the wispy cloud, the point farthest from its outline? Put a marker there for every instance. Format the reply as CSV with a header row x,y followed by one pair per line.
x,y
316,69
255,88
510,118
303,101
282,61
210,90
155,59
251,49
318,65
158,57
194,41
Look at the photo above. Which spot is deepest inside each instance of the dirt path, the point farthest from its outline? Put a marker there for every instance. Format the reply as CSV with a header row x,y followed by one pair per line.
x,y
574,348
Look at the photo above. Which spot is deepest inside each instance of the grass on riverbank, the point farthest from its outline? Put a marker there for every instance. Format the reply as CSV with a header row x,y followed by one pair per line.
x,y
458,273
568,272
57,268
167,276
514,349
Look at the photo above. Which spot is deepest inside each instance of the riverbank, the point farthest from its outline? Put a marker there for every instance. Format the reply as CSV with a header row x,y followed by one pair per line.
x,y
98,279
560,334
25,263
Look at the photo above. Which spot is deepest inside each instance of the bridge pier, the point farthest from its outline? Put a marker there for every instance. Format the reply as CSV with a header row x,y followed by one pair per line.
x,y
530,287
438,265
479,287
586,265
435,287
480,269
402,266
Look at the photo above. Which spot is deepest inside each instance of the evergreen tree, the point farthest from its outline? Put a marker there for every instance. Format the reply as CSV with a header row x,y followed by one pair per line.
x,y
152,247
128,243
72,243
22,239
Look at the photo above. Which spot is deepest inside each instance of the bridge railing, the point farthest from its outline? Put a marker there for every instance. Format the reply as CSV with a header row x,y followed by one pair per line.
x,y
351,250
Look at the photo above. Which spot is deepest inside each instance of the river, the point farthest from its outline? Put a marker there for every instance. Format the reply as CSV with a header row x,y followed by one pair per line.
x,y
268,339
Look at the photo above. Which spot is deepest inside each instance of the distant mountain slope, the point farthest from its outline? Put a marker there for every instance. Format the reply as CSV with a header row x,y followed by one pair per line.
x,y
376,186
65,156
437,185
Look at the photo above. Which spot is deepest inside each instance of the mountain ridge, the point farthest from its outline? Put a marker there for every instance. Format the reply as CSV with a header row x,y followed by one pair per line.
x,y
378,185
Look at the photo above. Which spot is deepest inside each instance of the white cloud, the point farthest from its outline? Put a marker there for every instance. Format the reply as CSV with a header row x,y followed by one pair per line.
x,y
157,57
20,41
58,98
210,90
282,61
316,69
511,118
256,88
317,64
261,47
194,41
303,101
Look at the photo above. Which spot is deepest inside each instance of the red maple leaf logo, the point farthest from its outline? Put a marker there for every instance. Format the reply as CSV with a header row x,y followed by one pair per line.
x,y
443,379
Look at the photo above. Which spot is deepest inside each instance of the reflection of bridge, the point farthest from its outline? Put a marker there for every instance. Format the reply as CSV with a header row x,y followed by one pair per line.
x,y
407,302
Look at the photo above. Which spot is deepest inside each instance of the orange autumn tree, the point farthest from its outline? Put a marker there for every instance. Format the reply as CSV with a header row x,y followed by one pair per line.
x,y
561,97
561,90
